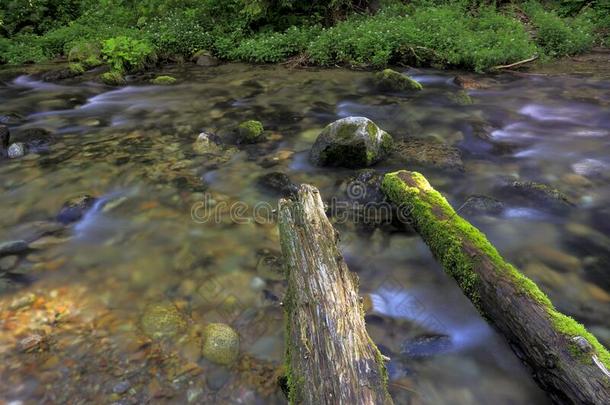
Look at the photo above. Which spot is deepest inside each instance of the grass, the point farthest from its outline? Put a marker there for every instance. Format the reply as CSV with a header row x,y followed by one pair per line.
x,y
457,34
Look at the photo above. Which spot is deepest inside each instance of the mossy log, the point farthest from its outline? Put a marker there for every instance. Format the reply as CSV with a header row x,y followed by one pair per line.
x,y
566,360
330,357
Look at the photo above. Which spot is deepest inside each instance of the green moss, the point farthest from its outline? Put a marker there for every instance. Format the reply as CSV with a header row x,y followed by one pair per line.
x,y
113,78
76,68
163,80
389,79
250,131
445,232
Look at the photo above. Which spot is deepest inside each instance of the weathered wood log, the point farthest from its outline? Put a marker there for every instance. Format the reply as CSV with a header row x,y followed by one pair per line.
x,y
566,360
330,357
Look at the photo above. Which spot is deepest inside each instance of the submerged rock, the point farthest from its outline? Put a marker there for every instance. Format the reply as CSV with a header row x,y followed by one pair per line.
x,y
112,78
351,142
392,80
221,344
162,320
34,138
482,205
279,183
430,153
163,80
537,194
13,247
468,83
206,143
75,208
250,132
16,150
204,58
426,345
5,137
271,266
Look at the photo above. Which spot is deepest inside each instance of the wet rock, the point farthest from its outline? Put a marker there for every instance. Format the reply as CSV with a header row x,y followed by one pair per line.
x,y
121,388
206,143
74,209
16,150
162,320
13,247
8,262
351,142
163,80
221,344
59,74
34,138
22,302
537,194
468,83
204,58
460,98
5,137
426,346
11,118
429,153
275,159
250,132
482,205
279,183
391,80
112,78
365,188
271,266
30,343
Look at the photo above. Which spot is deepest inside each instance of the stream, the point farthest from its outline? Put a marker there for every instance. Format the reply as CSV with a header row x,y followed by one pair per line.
x,y
172,224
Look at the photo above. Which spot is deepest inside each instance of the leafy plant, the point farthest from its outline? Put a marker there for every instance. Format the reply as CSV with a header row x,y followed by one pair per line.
x,y
124,53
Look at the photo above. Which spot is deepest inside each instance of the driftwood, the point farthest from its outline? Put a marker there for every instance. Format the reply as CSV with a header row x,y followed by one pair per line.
x,y
566,360
330,356
512,65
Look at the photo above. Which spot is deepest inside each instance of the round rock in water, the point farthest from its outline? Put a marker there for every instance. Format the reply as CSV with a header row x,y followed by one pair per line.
x,y
221,344
351,142
75,208
16,150
162,320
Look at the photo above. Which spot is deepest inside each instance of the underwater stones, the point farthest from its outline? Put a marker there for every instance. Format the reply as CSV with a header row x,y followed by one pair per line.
x,y
429,153
163,80
162,320
279,183
250,132
538,194
112,78
351,142
221,344
467,83
229,292
271,267
75,208
206,143
5,137
34,138
426,346
16,150
13,247
392,80
482,205
205,59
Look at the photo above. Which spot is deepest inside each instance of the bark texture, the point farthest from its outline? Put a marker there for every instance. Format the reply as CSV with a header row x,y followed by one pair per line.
x,y
330,357
566,360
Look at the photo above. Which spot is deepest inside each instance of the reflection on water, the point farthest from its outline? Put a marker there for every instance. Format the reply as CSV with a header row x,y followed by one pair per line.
x,y
72,302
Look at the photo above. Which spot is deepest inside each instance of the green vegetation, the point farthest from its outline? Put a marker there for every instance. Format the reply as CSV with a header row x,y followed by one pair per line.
x,y
131,34
250,131
163,80
446,232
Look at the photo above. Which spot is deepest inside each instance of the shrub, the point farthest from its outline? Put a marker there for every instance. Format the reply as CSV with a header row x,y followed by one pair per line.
x,y
124,53
24,48
178,33
558,36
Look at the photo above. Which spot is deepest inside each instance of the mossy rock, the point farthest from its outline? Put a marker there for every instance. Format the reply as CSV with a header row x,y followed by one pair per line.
x,y
250,131
113,78
77,68
351,142
392,80
220,344
162,320
163,80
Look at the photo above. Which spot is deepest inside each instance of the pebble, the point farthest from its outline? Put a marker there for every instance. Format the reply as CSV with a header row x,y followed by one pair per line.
x,y
192,394
13,247
121,387
8,262
22,302
29,343
16,150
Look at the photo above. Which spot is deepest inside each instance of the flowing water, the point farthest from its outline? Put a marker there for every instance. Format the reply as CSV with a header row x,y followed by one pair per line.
x,y
174,225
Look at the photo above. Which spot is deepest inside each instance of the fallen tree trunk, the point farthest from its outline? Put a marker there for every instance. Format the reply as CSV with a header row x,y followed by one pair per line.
x,y
566,360
330,356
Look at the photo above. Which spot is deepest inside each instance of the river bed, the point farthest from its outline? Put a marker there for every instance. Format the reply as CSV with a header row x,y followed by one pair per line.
x,y
165,228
